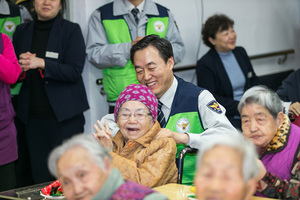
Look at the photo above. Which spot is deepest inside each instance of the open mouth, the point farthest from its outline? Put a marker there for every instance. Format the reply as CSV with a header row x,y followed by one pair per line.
x,y
151,84
132,129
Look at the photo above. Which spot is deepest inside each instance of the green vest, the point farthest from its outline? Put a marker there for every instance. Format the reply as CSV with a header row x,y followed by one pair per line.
x,y
8,24
115,79
178,123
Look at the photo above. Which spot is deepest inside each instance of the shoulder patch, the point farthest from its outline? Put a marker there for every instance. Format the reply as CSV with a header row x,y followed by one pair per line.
x,y
214,106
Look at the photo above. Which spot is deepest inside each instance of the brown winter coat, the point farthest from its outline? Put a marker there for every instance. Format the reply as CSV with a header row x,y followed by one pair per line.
x,y
148,161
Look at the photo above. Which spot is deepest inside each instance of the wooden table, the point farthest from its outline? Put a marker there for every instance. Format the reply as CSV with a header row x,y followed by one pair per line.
x,y
180,192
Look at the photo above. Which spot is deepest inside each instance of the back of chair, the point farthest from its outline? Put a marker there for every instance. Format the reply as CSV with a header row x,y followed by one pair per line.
x,y
180,159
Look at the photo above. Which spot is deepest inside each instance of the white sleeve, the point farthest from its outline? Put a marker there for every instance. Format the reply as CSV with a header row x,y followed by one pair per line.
x,y
25,15
214,123
111,123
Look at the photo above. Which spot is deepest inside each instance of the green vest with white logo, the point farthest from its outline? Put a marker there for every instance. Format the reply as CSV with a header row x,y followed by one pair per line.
x,y
184,117
115,79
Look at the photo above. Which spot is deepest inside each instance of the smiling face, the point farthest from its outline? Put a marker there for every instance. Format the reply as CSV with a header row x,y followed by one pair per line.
x,y
152,71
80,177
259,125
131,128
224,40
220,176
46,9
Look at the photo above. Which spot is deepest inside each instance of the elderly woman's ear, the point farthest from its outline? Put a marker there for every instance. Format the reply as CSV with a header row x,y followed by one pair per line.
x,y
280,119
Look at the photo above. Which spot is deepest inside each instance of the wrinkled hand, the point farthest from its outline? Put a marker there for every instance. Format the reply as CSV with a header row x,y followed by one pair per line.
x,y
30,61
103,134
262,168
138,38
295,108
178,137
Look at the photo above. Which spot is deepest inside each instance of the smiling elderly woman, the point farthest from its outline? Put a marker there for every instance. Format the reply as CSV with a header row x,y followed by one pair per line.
x,y
135,151
277,142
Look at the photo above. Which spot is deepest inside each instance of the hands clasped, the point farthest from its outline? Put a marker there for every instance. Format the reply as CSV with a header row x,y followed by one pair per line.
x,y
103,134
30,61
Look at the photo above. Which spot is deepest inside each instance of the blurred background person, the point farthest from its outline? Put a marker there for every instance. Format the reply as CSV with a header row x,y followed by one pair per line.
x,y
225,70
276,140
27,4
227,169
9,74
289,92
84,170
135,151
51,52
114,28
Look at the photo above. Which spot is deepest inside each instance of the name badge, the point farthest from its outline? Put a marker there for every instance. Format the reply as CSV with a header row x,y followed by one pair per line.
x,y
249,74
50,54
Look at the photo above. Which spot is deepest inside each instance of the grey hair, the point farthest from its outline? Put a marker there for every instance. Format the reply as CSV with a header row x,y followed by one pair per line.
x,y
263,96
250,167
96,151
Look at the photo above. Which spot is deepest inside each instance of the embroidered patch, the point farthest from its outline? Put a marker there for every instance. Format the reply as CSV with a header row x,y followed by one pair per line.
x,y
159,26
9,26
183,125
214,106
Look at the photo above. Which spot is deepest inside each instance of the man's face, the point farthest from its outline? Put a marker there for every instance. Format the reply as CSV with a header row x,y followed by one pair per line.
x,y
152,71
79,175
220,176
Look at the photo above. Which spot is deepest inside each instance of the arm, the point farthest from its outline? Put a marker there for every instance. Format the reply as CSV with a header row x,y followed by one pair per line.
x,y
174,37
274,187
208,79
25,15
214,123
99,51
9,66
158,158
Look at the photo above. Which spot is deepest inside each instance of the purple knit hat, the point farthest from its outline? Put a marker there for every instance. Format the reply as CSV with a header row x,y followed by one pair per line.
x,y
140,93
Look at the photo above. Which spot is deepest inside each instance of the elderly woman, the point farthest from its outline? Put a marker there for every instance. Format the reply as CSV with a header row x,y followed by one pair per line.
x,y
225,70
227,169
135,151
277,142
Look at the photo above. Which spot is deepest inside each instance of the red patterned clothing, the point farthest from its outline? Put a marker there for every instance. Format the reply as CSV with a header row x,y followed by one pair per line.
x,y
115,188
271,185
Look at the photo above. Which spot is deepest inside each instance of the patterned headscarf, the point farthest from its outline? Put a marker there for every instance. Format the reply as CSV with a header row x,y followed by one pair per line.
x,y
140,93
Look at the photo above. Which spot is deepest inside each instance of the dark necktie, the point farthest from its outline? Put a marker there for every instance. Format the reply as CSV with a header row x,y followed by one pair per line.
x,y
135,12
160,115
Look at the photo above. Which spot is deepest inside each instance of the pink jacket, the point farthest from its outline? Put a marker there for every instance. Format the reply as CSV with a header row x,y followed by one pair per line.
x,y
9,73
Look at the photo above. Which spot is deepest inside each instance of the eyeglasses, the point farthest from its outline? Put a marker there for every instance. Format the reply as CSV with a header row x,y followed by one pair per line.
x,y
139,114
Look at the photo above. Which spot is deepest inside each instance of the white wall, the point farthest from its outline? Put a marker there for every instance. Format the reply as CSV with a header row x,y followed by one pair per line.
x,y
262,26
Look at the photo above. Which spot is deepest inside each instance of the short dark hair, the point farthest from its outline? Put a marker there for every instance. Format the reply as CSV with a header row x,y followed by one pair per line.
x,y
215,23
61,12
163,46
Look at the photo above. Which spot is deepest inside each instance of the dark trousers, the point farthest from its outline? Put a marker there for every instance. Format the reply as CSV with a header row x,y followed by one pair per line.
x,y
7,176
42,136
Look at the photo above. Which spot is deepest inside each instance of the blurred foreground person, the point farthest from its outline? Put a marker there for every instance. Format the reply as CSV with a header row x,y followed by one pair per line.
x,y
227,169
84,170
276,140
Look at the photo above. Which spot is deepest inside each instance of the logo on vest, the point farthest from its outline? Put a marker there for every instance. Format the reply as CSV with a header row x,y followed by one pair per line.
x,y
9,26
183,125
159,26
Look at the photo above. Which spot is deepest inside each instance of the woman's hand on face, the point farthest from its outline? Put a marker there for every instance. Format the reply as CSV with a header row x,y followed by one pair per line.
x,y
103,134
295,108
30,61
